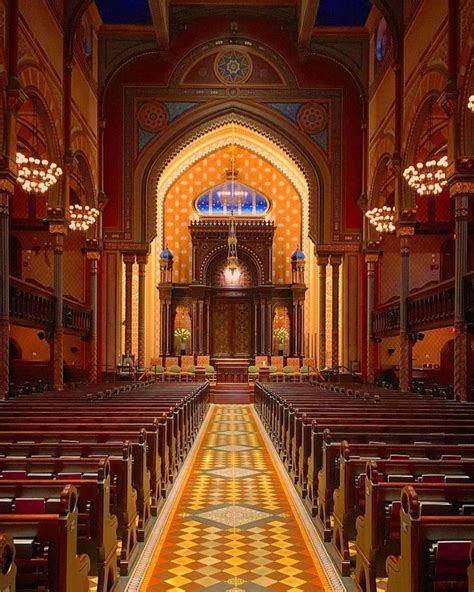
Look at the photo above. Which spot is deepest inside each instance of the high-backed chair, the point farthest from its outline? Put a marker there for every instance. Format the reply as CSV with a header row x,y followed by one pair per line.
x,y
188,373
261,361
158,372
277,361
203,361
126,369
290,373
171,362
293,363
173,373
253,372
186,361
210,374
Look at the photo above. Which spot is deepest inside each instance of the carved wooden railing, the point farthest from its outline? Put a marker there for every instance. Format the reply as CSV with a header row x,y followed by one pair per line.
x,y
428,308
33,306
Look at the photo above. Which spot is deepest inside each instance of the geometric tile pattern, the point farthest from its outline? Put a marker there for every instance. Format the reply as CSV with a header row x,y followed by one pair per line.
x,y
233,528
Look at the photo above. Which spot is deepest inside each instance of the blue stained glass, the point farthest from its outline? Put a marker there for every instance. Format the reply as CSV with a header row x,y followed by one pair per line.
x,y
217,203
247,203
261,204
202,204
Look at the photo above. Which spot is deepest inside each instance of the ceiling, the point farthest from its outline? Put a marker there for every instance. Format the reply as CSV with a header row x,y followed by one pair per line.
x,y
333,13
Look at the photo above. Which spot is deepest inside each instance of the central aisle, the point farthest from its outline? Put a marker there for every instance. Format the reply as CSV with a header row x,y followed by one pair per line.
x,y
233,526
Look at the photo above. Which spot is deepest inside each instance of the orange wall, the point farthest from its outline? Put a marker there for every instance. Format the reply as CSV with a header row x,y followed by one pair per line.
x,y
255,172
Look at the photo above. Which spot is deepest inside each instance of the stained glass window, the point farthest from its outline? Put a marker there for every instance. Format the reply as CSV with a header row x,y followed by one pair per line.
x,y
232,196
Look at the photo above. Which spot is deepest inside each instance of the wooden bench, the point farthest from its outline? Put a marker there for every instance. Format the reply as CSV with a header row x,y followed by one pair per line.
x,y
46,547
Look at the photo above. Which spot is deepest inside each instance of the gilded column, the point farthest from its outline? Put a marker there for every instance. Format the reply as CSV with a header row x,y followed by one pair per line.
x,y
128,260
461,336
405,342
142,261
322,261
336,261
371,260
93,257
4,295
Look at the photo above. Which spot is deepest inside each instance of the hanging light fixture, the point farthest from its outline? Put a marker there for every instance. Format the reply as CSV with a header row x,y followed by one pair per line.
x,y
82,217
470,103
383,218
36,175
429,177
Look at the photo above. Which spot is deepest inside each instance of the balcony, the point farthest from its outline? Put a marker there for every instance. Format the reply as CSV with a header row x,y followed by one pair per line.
x,y
33,306
428,308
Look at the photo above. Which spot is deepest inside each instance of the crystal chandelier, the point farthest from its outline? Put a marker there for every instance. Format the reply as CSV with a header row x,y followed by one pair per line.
x,y
82,217
429,177
470,104
382,218
36,175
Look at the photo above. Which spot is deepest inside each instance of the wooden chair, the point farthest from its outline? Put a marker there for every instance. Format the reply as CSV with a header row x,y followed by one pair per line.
x,y
293,363
261,361
203,361
277,361
126,369
187,361
171,361
253,373
173,373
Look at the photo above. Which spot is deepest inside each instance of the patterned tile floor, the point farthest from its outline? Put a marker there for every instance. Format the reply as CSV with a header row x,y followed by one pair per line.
x,y
233,527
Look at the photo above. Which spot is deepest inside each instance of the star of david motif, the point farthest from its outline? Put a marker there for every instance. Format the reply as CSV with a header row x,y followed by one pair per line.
x,y
233,66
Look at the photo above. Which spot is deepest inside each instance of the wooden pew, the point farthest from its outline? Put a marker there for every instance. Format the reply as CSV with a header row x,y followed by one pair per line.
x,y
470,569
378,529
7,564
349,497
96,527
57,566
420,536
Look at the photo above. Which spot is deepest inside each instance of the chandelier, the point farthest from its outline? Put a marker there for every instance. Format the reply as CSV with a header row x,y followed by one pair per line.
x,y
82,217
429,177
470,104
382,218
232,259
36,175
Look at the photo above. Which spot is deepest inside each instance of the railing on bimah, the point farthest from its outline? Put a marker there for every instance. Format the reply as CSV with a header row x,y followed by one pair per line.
x,y
34,306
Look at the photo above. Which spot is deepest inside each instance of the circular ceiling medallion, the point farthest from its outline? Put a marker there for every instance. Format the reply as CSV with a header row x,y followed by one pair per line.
x,y
233,66
152,116
312,117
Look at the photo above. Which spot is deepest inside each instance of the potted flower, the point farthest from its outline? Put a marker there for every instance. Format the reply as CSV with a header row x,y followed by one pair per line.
x,y
281,334
183,335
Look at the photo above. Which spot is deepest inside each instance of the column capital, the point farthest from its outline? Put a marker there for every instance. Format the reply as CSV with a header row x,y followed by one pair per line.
x,y
322,259
142,259
57,221
336,260
460,176
128,258
372,257
406,223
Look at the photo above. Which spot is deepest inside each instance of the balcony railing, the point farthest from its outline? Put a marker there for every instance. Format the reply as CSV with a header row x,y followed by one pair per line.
x,y
33,306
429,308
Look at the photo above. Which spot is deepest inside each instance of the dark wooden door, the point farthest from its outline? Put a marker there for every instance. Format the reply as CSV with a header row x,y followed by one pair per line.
x,y
231,327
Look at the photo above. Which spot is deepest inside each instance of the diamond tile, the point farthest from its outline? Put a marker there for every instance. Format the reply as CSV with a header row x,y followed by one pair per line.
x,y
235,515
233,472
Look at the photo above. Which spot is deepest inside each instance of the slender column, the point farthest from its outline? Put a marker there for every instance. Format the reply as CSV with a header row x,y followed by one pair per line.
x,y
255,327
164,329
461,337
201,326
57,357
262,328
93,257
208,327
169,331
129,260
195,327
322,262
269,328
4,295
301,329
142,261
335,264
294,329
405,342
371,261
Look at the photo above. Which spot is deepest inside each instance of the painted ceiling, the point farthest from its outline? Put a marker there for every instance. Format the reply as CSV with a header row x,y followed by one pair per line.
x,y
332,13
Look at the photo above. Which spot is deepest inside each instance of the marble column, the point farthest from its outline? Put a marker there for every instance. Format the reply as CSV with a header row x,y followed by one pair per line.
x,y
336,261
93,257
129,260
322,261
57,354
142,262
371,260
461,336
4,295
406,343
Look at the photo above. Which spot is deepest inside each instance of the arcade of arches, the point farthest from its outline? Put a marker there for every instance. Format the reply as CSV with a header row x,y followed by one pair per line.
x,y
220,166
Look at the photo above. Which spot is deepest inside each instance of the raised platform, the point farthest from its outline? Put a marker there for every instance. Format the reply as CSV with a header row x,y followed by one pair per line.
x,y
232,393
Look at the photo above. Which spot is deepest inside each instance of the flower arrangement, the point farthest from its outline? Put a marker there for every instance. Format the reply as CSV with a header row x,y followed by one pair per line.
x,y
182,334
281,334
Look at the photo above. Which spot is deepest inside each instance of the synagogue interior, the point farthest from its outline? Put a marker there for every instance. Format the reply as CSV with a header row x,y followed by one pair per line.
x,y
236,295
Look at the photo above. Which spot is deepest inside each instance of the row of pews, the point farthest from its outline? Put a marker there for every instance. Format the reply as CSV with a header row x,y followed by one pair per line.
x,y
83,473
388,478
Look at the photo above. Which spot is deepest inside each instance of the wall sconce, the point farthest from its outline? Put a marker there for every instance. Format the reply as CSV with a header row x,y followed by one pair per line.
x,y
416,337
